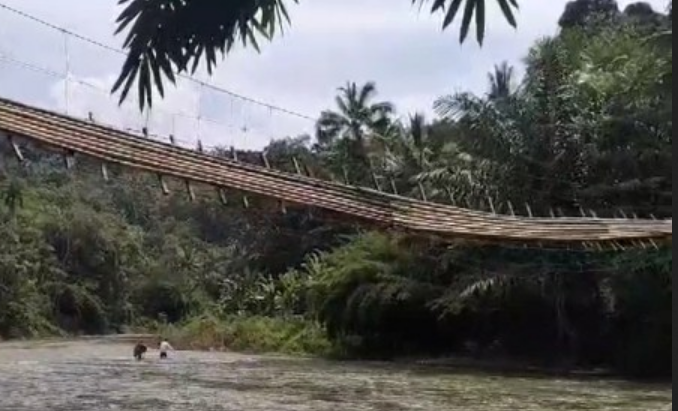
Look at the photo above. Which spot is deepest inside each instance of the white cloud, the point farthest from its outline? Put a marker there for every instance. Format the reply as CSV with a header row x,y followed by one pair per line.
x,y
330,42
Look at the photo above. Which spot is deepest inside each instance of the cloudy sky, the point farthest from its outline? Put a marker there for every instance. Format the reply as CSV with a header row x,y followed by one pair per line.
x,y
329,43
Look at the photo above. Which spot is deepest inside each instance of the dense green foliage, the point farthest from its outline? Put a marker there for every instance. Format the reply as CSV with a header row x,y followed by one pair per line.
x,y
588,128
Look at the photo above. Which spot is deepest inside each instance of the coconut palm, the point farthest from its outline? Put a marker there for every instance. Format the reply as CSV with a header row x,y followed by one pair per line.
x,y
359,123
357,116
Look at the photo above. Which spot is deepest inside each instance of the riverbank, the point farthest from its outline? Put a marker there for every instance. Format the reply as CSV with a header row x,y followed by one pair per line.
x,y
258,335
302,338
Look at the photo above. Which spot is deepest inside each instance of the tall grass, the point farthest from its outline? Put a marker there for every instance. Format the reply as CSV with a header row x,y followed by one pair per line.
x,y
247,334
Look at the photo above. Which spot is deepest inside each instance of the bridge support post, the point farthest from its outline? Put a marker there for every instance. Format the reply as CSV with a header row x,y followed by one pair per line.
x,y
104,172
529,210
222,196
187,183
347,180
189,190
234,157
69,160
297,168
450,195
375,179
422,191
15,147
267,164
163,185
491,204
394,188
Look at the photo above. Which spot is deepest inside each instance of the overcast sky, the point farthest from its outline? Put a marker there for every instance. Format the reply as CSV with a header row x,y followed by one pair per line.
x,y
329,43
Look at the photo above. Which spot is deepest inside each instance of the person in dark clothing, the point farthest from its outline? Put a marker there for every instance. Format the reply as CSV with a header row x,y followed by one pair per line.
x,y
139,351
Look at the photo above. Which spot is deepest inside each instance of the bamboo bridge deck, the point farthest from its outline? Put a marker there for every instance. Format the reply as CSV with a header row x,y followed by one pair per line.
x,y
386,210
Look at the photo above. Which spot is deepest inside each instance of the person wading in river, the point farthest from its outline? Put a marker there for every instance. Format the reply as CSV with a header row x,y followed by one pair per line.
x,y
164,347
139,351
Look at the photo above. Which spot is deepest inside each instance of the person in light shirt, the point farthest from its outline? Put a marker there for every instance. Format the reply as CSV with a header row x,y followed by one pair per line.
x,y
164,348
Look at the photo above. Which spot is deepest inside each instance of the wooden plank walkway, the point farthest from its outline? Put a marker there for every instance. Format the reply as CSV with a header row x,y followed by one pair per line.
x,y
386,210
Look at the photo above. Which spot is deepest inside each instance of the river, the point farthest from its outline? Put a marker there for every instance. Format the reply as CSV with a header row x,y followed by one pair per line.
x,y
96,375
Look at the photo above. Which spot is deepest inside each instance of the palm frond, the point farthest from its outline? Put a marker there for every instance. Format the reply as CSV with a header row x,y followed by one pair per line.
x,y
166,36
472,8
418,130
501,82
169,36
366,93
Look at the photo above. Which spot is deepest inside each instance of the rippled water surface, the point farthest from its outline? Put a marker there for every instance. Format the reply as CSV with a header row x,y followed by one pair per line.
x,y
98,375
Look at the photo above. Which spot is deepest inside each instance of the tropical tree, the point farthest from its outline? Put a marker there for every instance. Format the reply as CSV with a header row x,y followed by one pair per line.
x,y
549,144
477,164
406,153
584,14
356,128
169,36
502,82
416,152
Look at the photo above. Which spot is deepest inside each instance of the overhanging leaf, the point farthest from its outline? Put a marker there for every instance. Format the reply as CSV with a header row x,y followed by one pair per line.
x,y
466,19
167,33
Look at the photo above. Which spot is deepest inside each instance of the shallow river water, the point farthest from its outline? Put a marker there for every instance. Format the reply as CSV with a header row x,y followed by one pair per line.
x,y
99,375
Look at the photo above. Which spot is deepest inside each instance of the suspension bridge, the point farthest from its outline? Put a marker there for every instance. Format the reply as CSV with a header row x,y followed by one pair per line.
x,y
67,131
109,145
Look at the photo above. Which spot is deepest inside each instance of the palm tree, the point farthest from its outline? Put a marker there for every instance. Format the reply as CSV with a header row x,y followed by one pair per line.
x,y
513,136
419,135
168,36
352,130
407,153
501,82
